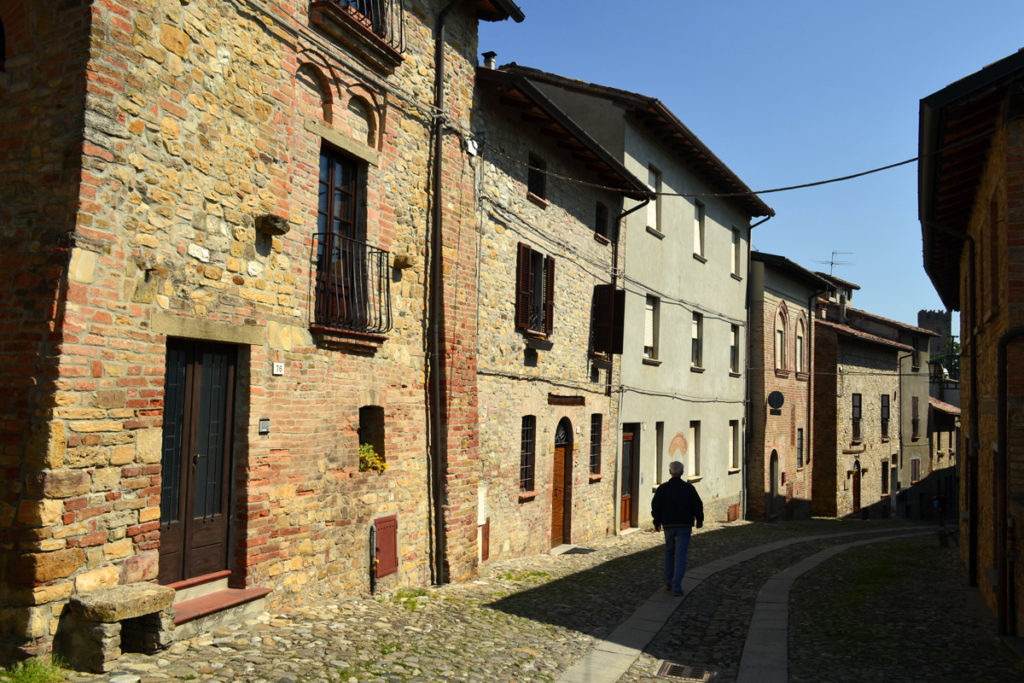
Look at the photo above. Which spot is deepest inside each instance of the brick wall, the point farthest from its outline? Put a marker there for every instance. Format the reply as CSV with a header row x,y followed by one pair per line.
x,y
197,121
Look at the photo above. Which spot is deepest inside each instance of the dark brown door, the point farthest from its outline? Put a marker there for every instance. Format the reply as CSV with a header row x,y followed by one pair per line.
x,y
626,479
856,490
561,485
196,459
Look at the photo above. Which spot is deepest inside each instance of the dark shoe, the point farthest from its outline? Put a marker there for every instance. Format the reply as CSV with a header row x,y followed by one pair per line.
x,y
668,586
678,594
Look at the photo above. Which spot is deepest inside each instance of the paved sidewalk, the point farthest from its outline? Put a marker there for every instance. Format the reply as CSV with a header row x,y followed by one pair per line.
x,y
544,618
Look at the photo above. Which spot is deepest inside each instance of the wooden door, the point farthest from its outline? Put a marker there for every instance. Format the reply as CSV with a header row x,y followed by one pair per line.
x,y
626,481
196,458
856,490
561,485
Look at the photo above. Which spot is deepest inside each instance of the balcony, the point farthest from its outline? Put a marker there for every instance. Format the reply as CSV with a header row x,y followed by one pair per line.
x,y
374,29
353,287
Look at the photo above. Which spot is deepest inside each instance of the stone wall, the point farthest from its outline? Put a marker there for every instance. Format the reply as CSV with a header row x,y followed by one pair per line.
x,y
201,117
519,374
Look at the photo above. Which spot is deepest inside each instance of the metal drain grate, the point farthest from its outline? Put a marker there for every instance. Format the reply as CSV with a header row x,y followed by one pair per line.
x,y
685,672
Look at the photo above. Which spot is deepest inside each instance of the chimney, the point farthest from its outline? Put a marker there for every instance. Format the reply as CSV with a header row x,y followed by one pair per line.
x,y
489,59
842,309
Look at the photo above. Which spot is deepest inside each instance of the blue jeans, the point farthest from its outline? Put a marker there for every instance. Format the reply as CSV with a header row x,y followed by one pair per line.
x,y
677,542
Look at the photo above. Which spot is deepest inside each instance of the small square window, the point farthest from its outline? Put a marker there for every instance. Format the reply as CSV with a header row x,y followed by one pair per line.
x,y
537,178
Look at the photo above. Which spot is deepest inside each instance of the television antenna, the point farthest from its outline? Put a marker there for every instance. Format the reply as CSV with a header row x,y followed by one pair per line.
x,y
832,262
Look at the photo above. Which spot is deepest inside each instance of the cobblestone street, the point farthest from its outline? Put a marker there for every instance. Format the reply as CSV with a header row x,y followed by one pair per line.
x,y
889,610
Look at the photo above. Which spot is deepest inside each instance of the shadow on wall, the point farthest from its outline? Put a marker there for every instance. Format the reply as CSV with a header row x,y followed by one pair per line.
x,y
919,501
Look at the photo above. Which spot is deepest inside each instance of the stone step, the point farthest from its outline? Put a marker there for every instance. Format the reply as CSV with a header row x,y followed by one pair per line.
x,y
221,608
199,586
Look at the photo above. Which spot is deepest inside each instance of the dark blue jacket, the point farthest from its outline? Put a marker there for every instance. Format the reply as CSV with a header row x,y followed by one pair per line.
x,y
677,503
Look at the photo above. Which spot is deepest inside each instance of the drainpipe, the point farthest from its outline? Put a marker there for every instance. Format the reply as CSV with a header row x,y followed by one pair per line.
x,y
437,450
1006,603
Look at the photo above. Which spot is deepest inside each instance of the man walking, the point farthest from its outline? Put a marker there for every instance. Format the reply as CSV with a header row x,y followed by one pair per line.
x,y
676,507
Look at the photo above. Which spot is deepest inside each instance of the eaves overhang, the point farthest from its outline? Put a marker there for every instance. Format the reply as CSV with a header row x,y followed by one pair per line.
x,y
860,335
517,93
498,10
653,115
956,128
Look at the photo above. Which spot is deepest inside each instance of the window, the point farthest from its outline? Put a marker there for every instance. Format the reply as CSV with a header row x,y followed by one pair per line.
x,y
993,255
915,470
651,315
734,349
855,417
352,283
799,447
527,453
780,343
695,449
734,444
915,419
885,478
382,18
535,291
698,229
371,431
537,177
596,421
885,416
736,257
654,207
697,341
800,346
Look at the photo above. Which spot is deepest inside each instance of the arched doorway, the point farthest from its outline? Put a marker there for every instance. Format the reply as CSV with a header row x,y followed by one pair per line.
x,y
561,485
773,486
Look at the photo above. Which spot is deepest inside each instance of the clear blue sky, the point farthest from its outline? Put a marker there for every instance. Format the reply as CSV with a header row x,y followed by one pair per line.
x,y
786,93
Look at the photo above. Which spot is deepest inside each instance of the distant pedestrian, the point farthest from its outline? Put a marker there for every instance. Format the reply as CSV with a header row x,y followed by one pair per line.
x,y
676,507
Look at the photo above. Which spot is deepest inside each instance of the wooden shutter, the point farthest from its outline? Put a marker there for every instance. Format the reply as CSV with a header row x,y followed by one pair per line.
x,y
524,285
549,295
387,545
609,311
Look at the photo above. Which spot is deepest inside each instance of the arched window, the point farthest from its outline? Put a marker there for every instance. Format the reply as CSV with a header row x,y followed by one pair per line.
x,y
800,347
780,341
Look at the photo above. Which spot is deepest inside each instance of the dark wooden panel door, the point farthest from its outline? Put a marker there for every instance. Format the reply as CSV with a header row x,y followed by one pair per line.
x,y
626,479
856,490
558,496
196,458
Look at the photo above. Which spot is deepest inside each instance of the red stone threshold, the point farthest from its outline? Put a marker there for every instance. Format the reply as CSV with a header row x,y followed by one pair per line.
x,y
220,601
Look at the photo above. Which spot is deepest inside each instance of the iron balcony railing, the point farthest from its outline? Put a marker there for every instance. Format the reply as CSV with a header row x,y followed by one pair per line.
x,y
353,286
383,18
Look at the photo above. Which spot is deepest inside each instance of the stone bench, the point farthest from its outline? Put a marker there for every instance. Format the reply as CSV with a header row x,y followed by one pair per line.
x,y
97,626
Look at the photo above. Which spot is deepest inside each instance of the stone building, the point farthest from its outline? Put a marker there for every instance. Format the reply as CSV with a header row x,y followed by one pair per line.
x,y
969,182
873,375
549,253
780,377
225,242
856,381
682,394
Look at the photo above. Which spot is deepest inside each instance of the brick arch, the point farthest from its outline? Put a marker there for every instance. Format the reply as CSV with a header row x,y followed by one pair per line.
x,y
363,109
781,316
318,85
